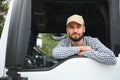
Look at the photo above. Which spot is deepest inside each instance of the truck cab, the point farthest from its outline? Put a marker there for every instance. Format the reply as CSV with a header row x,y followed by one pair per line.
x,y
21,58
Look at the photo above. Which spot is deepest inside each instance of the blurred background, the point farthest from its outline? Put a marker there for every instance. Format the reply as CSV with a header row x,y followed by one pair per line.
x,y
4,5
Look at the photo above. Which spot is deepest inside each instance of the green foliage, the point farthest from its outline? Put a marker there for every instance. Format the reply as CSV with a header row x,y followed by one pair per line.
x,y
3,6
3,12
1,29
48,44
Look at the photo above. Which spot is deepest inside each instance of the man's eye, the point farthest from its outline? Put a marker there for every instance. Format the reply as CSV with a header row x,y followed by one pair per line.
x,y
70,26
79,26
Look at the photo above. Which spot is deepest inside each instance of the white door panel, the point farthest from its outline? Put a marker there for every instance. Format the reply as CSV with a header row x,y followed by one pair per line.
x,y
78,69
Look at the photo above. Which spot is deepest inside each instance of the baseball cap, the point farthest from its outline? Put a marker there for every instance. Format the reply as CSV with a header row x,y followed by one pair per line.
x,y
75,18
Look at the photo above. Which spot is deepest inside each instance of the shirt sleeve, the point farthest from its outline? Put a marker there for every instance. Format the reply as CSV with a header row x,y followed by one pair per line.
x,y
100,53
64,51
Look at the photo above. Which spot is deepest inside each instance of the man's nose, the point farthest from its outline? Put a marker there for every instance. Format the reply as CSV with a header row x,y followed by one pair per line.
x,y
75,29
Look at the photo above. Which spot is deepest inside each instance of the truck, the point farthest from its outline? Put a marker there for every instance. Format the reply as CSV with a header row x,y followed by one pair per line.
x,y
21,59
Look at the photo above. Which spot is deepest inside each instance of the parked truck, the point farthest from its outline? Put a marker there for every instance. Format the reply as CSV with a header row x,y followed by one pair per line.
x,y
21,59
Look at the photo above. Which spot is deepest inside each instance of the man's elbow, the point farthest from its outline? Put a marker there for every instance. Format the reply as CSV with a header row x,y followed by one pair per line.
x,y
114,61
58,56
55,56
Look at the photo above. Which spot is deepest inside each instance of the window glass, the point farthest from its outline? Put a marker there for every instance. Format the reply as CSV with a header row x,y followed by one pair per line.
x,y
40,50
47,41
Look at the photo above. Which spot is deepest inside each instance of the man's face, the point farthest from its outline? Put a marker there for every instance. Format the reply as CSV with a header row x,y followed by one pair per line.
x,y
75,31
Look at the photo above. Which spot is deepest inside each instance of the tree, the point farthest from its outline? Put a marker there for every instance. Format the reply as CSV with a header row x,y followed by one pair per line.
x,y
3,12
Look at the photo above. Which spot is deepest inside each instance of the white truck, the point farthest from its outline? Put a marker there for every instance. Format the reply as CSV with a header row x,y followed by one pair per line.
x,y
20,59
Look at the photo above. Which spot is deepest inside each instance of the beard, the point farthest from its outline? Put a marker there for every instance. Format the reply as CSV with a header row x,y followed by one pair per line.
x,y
76,39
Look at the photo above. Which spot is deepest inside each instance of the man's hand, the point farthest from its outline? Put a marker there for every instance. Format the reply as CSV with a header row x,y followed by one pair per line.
x,y
83,49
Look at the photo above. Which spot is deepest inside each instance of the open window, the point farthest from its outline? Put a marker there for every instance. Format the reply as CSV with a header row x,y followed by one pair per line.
x,y
49,17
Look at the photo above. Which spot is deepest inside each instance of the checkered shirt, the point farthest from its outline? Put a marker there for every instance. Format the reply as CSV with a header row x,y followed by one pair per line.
x,y
99,53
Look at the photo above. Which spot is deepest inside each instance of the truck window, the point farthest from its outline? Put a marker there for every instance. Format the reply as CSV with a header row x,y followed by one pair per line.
x,y
40,50
49,19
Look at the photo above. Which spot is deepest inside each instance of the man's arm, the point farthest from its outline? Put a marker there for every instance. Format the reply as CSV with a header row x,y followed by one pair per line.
x,y
100,53
63,50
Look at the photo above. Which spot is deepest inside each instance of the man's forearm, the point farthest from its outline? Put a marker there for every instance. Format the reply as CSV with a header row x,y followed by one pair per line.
x,y
64,52
106,58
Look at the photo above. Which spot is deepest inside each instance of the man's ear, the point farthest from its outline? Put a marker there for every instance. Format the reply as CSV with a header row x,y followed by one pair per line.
x,y
67,30
84,29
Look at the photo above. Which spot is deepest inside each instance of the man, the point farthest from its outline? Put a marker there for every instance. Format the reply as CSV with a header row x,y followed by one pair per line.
x,y
82,45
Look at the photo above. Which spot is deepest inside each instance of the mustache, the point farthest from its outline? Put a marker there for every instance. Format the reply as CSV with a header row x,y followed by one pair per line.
x,y
75,33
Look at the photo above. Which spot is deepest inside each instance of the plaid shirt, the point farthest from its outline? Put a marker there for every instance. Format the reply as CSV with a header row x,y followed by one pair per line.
x,y
99,53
